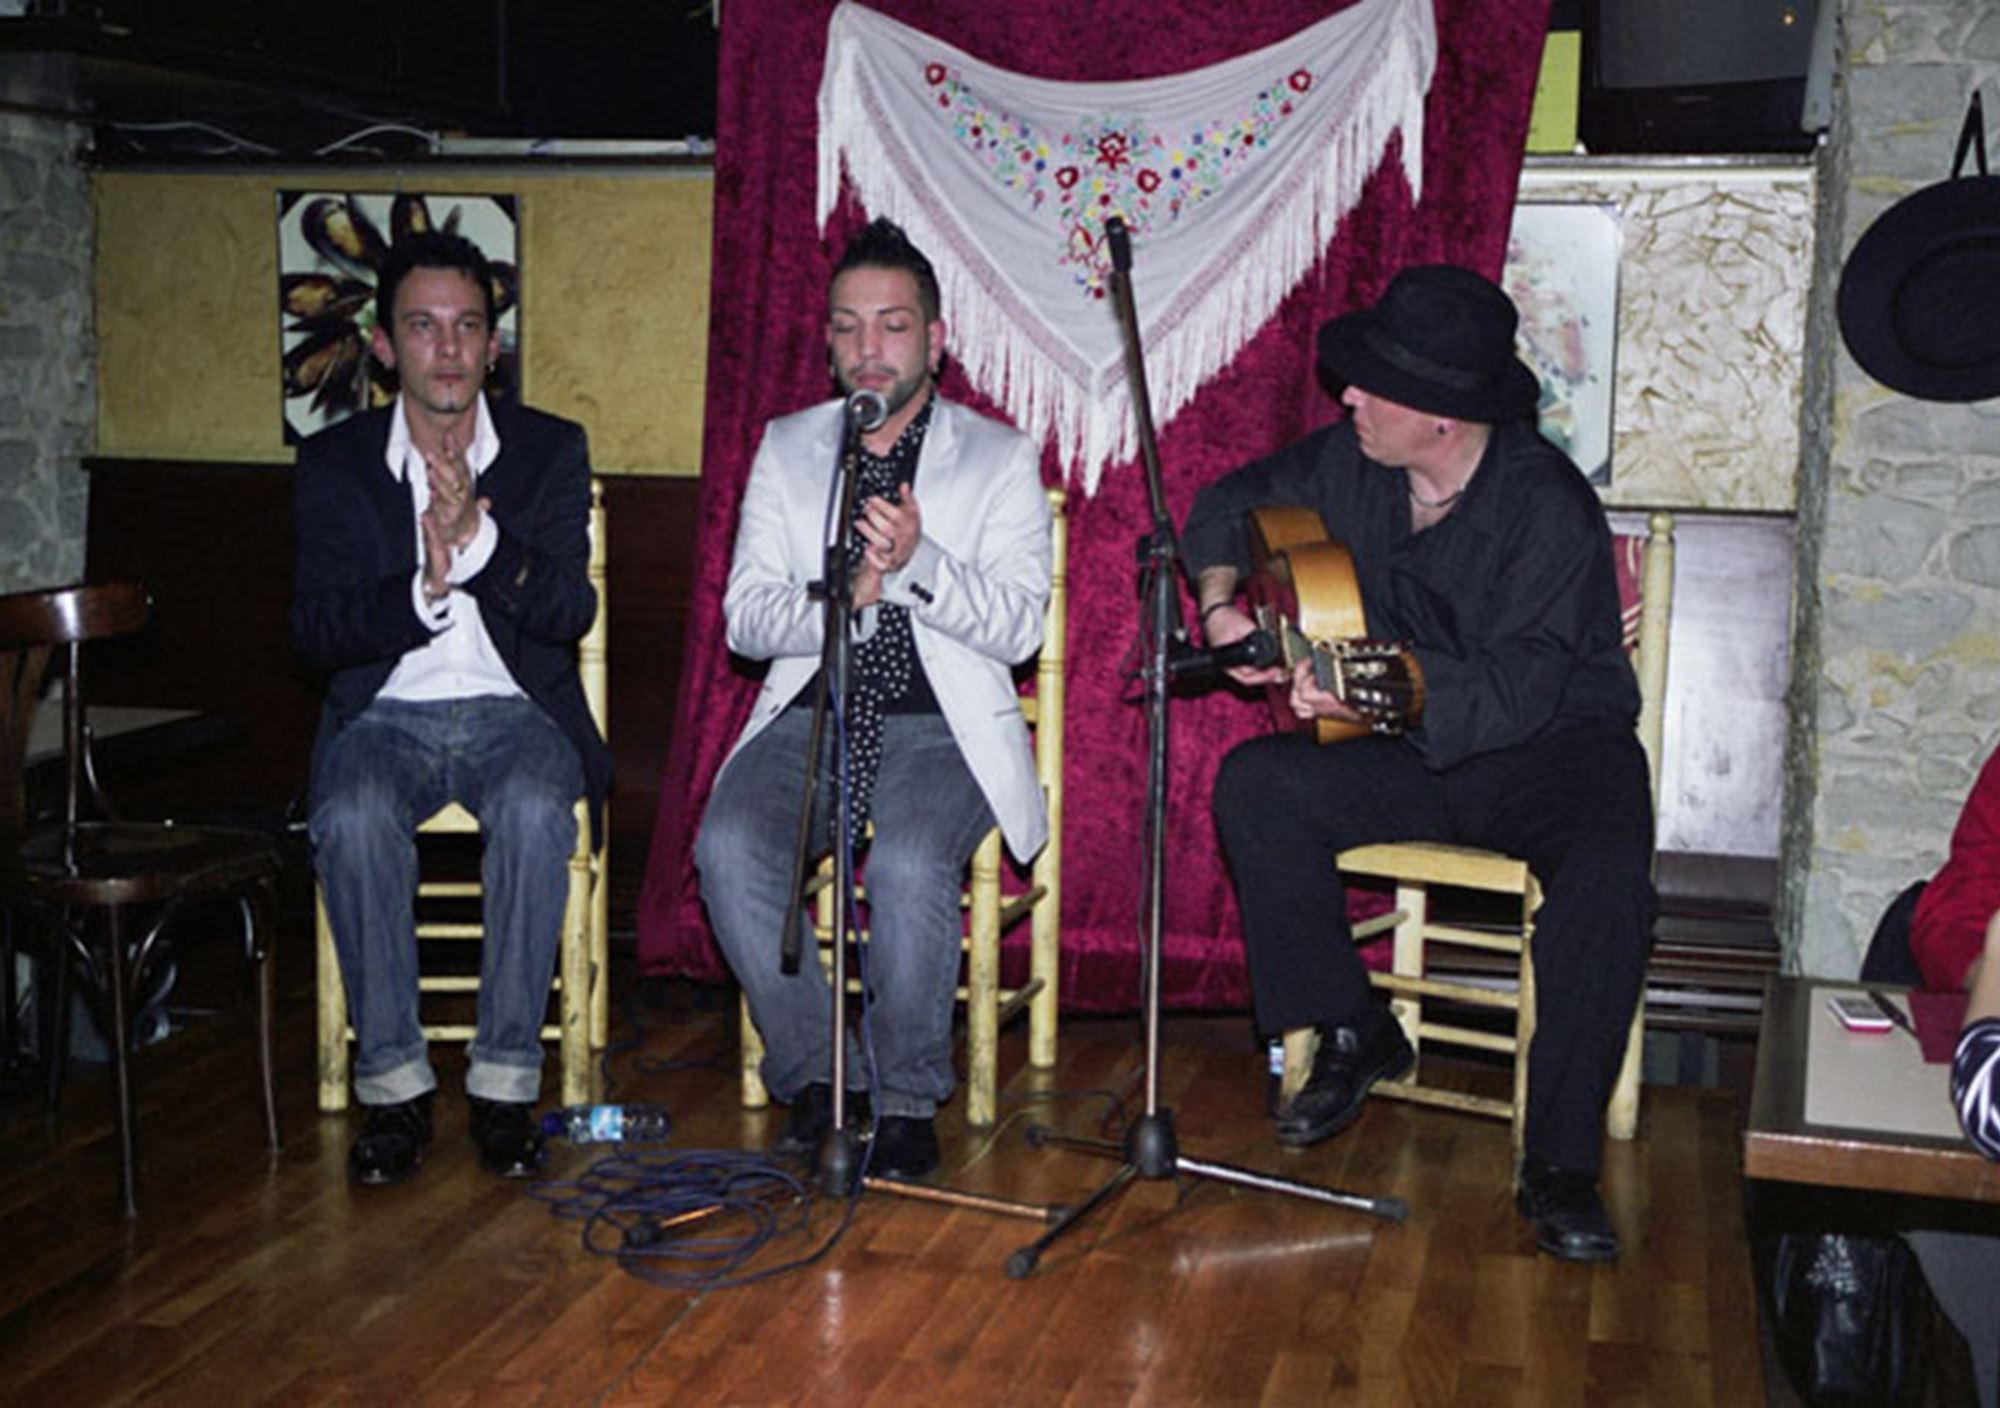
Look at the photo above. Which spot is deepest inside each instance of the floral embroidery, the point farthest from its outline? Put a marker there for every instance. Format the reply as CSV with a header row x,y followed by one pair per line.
x,y
1110,164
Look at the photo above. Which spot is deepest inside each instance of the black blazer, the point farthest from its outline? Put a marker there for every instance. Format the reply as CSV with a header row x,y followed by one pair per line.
x,y
352,618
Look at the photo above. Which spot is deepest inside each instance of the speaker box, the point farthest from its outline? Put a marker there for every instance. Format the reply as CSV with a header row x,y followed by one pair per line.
x,y
1705,75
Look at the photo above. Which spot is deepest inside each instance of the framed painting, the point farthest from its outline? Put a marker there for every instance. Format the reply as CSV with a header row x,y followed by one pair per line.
x,y
1562,273
330,245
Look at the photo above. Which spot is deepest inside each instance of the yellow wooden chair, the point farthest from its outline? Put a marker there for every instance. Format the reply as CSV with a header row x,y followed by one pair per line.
x,y
990,912
1422,945
582,967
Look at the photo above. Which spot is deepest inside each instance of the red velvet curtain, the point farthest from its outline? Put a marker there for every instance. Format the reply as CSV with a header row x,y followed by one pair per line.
x,y
767,357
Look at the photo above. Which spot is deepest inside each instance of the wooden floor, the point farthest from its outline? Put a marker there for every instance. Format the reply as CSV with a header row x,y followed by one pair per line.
x,y
249,1280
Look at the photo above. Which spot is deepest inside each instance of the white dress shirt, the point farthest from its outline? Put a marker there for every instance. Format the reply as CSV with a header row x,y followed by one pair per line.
x,y
459,662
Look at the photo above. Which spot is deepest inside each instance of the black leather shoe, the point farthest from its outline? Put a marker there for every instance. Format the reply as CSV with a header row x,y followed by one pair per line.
x,y
509,1143
905,1147
391,1143
1570,1222
1344,1068
812,1117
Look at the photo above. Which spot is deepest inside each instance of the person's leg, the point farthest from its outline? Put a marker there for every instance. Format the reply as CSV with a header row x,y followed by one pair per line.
x,y
372,783
744,855
1962,1269
1285,806
516,771
929,817
1578,808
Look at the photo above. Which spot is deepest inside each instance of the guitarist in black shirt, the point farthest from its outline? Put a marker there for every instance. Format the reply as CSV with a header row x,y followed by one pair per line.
x,y
1502,716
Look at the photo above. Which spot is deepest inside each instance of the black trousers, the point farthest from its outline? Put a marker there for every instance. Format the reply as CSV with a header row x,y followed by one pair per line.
x,y
1575,806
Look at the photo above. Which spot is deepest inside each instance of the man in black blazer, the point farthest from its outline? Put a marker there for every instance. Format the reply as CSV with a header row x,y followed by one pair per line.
x,y
440,585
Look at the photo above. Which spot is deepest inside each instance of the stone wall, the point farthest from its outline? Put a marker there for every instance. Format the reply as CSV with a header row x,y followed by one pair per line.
x,y
1898,662
47,349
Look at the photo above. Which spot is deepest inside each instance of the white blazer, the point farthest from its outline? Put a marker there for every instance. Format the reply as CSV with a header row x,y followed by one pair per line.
x,y
975,589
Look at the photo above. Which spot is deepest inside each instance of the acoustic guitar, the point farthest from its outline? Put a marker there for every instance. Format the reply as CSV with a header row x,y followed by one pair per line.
x,y
1304,592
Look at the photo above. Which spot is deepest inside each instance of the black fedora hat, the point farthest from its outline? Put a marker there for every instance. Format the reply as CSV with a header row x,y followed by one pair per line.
x,y
1440,340
1919,300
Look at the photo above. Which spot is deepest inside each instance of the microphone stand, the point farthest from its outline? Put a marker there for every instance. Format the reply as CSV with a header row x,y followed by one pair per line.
x,y
840,1161
838,1154
1151,1148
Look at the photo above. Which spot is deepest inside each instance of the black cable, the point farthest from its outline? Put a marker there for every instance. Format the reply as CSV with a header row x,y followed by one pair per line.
x,y
693,1220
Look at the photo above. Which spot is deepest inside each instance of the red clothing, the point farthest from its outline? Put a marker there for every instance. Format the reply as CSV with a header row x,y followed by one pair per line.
x,y
1949,928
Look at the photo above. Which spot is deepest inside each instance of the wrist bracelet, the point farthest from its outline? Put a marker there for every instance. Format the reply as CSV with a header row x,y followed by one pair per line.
x,y
1211,609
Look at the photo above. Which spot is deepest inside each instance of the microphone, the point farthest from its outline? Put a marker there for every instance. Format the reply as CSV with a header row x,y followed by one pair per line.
x,y
867,409
1258,649
1121,244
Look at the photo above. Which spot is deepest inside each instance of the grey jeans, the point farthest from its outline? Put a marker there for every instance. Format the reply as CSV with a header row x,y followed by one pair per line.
x,y
929,815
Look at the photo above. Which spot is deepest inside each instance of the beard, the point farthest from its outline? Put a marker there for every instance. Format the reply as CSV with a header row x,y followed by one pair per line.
x,y
896,393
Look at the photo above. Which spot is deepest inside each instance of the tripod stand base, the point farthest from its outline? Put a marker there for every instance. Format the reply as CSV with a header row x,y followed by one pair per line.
x,y
839,1167
840,1175
1150,1141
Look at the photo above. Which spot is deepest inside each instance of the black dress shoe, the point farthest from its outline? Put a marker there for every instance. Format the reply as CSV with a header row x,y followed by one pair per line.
x,y
509,1143
1570,1222
905,1147
391,1143
1344,1068
812,1117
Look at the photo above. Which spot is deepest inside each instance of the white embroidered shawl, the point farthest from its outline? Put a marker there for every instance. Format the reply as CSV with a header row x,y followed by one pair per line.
x,y
1231,179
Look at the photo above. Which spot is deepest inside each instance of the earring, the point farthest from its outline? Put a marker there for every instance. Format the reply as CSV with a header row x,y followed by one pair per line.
x,y
1443,429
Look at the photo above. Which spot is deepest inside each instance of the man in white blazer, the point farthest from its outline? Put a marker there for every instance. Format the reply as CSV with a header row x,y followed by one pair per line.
x,y
949,582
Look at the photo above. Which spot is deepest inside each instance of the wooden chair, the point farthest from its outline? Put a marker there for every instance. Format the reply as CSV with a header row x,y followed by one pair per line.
x,y
582,966
1422,946
98,878
990,912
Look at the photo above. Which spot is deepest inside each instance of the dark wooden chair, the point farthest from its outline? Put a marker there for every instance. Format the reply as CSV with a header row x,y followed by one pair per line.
x,y
109,888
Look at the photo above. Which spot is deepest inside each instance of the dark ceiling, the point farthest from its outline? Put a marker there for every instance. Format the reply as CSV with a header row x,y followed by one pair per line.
x,y
171,79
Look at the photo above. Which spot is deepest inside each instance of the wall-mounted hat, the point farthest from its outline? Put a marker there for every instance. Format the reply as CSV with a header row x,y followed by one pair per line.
x,y
1440,340
1919,300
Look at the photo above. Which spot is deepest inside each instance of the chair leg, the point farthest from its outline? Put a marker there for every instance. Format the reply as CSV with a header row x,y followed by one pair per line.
x,y
119,1039
600,951
573,955
1407,960
982,985
1621,1120
1301,1046
257,907
332,1013
1045,957
755,1096
1524,1036
9,993
55,1014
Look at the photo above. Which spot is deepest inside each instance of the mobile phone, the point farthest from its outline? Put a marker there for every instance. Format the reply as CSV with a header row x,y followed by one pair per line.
x,y
1857,1013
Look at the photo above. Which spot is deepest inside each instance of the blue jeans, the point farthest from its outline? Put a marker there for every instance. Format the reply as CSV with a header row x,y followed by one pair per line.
x,y
929,816
507,763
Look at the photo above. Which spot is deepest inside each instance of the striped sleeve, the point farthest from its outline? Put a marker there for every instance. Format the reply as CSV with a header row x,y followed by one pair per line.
x,y
1975,1067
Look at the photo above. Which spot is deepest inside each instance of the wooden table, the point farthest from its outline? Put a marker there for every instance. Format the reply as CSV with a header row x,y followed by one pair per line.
x,y
1779,1144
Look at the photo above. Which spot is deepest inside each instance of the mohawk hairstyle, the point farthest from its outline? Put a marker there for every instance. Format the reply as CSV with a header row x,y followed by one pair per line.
x,y
881,244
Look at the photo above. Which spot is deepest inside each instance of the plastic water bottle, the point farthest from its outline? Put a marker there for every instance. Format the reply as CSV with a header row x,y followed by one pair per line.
x,y
608,1124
